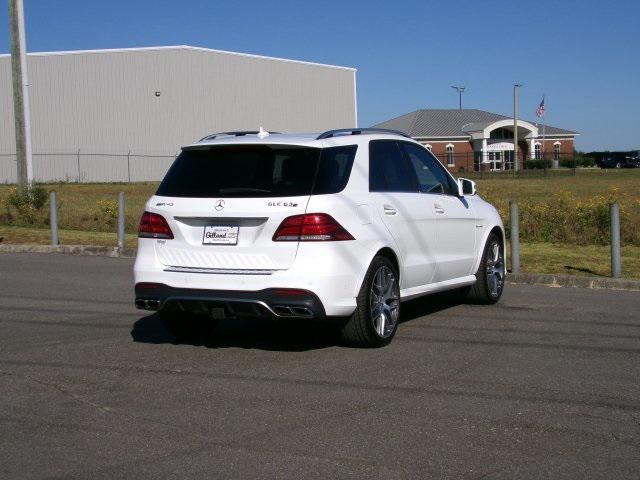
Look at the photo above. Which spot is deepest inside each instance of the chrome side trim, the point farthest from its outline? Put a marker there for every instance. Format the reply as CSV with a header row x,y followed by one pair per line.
x,y
220,271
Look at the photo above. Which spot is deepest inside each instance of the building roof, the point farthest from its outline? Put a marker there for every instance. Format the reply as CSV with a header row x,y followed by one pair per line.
x,y
179,47
436,123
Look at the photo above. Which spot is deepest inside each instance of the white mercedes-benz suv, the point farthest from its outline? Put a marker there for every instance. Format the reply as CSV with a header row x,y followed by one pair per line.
x,y
340,227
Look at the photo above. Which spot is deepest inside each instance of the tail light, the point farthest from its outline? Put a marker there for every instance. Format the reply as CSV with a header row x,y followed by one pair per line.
x,y
311,227
153,225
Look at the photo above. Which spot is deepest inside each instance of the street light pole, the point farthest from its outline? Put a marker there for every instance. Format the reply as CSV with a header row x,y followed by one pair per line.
x,y
20,94
460,90
515,125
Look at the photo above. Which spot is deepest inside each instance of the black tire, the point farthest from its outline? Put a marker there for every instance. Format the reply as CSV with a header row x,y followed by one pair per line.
x,y
483,292
187,325
360,328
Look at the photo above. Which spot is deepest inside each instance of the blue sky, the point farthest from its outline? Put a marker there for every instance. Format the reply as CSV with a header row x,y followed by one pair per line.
x,y
582,54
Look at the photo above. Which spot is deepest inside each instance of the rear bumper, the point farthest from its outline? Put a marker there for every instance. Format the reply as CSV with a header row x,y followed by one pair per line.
x,y
334,279
271,302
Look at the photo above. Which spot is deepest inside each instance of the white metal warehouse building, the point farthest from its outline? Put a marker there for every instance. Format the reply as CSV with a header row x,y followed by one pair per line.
x,y
119,115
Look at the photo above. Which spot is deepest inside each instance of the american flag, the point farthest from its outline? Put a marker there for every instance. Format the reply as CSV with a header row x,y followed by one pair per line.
x,y
540,109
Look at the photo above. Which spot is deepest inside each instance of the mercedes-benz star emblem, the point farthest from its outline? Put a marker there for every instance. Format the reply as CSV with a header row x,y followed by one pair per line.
x,y
219,205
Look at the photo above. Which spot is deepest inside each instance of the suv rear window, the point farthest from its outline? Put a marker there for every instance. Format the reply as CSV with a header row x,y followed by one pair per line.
x,y
251,171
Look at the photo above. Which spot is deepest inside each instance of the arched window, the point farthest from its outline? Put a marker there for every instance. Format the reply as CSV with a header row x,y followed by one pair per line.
x,y
556,151
429,147
537,151
450,160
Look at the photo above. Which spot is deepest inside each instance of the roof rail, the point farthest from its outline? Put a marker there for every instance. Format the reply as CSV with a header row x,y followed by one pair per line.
x,y
358,131
239,133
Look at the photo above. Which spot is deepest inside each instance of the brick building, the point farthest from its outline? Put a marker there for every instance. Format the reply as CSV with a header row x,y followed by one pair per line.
x,y
471,140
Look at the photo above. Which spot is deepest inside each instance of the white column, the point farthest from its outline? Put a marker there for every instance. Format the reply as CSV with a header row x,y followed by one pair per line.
x,y
532,149
484,150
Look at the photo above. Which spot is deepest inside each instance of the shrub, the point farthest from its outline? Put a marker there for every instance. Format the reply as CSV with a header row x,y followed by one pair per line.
x,y
538,164
108,209
577,162
570,162
26,205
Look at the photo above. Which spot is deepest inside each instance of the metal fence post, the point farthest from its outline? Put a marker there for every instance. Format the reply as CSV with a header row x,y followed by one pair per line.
x,y
616,265
53,218
515,236
129,166
121,220
78,158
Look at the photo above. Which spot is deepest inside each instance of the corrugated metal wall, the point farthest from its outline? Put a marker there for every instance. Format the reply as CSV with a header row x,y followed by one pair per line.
x,y
105,102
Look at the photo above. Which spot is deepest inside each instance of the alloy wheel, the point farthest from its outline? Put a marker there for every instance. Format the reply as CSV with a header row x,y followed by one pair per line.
x,y
384,302
495,269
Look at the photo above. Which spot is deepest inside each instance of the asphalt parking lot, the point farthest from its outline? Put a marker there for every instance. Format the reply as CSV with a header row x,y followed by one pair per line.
x,y
544,385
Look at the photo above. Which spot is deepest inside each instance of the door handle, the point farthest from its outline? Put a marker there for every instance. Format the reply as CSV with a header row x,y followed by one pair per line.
x,y
438,208
389,210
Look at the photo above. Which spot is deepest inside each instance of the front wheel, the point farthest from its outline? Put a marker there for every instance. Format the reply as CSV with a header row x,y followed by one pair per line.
x,y
375,320
491,273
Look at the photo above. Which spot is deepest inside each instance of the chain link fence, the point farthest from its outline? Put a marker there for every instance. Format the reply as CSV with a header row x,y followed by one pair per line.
x,y
80,167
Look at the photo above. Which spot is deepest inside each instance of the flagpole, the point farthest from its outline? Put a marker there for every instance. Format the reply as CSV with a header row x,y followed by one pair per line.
x,y
544,124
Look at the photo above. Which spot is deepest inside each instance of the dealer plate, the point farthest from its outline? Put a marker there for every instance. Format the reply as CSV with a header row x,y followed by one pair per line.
x,y
220,235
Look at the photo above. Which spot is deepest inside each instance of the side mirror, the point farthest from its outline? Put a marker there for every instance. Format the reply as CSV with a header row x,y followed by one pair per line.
x,y
466,187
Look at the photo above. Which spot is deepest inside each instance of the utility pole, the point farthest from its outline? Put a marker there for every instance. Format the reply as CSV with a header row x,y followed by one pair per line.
x,y
460,90
515,125
20,94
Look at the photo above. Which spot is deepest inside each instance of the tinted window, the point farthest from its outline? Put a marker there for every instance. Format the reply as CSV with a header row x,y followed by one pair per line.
x,y
257,171
335,168
388,168
431,175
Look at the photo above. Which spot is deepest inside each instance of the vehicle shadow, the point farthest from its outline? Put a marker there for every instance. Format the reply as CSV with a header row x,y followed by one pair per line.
x,y
261,334
278,335
423,306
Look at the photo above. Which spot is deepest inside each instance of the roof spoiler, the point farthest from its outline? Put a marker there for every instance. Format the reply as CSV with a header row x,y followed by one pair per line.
x,y
239,133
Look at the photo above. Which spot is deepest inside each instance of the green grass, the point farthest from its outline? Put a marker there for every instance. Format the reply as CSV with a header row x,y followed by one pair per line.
x,y
570,209
41,236
82,207
82,217
535,257
585,184
586,260
79,208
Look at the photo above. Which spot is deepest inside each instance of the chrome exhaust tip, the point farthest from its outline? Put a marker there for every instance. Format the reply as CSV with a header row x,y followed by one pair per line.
x,y
147,303
292,311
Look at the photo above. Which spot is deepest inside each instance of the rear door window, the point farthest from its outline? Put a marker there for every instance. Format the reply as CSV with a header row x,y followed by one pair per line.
x,y
388,168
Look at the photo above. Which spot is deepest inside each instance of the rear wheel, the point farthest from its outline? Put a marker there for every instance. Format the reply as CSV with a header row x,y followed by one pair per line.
x,y
375,320
187,325
491,273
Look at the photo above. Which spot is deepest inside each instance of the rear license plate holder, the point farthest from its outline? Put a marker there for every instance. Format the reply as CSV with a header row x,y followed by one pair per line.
x,y
220,235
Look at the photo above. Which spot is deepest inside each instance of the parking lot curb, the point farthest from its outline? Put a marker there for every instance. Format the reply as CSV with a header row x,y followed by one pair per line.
x,y
91,250
549,280
553,280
